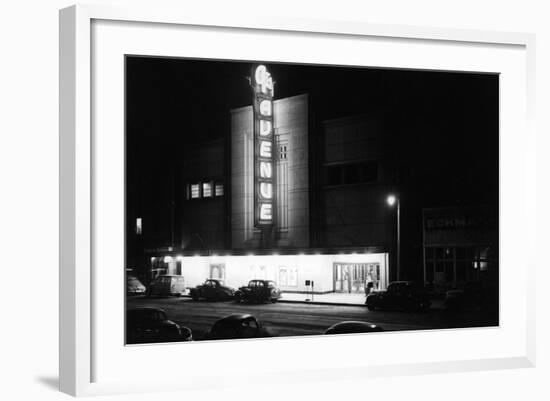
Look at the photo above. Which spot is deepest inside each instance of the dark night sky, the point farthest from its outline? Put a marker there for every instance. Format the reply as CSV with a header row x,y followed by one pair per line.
x,y
197,94
444,125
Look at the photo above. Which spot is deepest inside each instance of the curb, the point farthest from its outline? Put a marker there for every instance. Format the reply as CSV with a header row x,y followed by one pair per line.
x,y
289,301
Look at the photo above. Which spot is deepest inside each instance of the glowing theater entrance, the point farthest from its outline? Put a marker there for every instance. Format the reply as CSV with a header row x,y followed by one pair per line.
x,y
292,273
353,277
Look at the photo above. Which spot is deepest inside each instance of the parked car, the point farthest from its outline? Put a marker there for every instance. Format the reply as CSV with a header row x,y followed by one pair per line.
x,y
349,327
258,291
167,285
237,326
404,295
134,286
212,289
151,325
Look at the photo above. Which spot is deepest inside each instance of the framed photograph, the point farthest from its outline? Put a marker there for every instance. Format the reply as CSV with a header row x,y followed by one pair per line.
x,y
328,199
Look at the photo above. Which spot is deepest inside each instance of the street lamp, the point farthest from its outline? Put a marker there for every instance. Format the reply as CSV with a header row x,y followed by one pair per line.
x,y
392,200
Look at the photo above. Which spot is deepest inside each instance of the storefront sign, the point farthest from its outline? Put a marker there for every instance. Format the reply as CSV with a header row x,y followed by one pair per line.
x,y
450,223
264,147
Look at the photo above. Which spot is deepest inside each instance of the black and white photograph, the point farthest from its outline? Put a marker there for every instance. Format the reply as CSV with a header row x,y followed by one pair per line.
x,y
298,200
267,199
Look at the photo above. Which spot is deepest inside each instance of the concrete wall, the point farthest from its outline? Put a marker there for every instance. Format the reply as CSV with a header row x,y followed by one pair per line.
x,y
356,216
203,220
354,213
353,138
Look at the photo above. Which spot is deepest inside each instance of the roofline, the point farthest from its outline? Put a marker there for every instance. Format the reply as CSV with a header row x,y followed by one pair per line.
x,y
242,108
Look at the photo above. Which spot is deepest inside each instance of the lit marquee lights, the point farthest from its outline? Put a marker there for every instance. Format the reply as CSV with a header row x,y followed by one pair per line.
x,y
264,182
265,108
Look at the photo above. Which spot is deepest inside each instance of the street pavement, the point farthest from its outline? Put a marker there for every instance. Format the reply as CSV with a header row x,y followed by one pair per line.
x,y
296,319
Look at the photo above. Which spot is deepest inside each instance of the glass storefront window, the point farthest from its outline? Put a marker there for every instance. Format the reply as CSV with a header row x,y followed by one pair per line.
x,y
293,277
288,276
283,278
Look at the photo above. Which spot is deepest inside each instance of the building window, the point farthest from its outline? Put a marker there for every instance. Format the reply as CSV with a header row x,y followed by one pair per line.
x,y
207,189
367,172
195,191
351,173
138,226
218,189
282,152
333,175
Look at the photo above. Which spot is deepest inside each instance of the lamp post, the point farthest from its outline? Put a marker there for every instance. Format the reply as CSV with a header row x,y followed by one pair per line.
x,y
394,200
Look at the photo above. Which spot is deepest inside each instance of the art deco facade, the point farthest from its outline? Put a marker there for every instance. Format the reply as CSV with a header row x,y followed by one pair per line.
x,y
330,219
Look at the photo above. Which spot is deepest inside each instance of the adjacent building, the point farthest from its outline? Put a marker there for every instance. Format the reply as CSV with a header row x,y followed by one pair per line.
x,y
460,246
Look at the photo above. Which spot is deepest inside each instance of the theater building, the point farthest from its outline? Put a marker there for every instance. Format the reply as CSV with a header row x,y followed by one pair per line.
x,y
285,197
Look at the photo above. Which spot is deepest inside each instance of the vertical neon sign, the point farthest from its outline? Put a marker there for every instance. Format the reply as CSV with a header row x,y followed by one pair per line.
x,y
264,147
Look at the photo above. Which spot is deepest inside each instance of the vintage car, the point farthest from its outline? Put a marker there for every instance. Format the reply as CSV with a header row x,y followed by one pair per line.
x,y
236,326
401,295
352,326
212,289
151,325
258,291
134,286
167,285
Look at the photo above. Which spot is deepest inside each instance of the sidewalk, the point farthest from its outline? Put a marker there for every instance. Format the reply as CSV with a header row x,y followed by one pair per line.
x,y
333,298
336,298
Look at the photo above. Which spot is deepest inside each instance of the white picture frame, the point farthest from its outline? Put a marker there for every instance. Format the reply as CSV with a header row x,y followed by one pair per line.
x,y
84,355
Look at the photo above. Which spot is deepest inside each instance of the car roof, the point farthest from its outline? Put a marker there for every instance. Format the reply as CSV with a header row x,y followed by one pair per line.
x,y
352,326
144,309
236,316
353,323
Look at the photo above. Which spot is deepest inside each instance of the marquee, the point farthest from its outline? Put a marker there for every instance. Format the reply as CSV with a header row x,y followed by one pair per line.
x,y
264,147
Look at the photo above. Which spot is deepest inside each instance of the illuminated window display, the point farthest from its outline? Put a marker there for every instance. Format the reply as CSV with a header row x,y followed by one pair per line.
x,y
195,191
